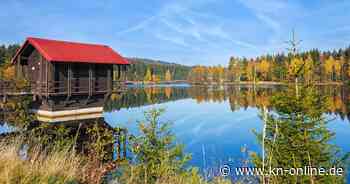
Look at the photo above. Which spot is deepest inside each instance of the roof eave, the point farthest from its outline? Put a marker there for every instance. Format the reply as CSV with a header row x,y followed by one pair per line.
x,y
35,45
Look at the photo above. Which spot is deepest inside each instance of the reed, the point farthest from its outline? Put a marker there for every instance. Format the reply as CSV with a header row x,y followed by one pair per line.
x,y
34,165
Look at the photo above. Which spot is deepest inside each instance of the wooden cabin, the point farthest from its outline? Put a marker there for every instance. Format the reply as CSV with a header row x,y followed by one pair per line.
x,y
62,70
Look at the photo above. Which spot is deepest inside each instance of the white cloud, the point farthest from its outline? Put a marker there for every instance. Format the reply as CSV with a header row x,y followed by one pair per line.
x,y
189,30
267,11
272,23
173,39
138,26
187,25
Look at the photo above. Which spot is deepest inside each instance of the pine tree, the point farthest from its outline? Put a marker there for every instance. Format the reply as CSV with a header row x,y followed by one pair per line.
x,y
296,136
155,150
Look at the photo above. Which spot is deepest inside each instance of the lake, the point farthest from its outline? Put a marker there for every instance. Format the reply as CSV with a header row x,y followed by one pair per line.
x,y
216,123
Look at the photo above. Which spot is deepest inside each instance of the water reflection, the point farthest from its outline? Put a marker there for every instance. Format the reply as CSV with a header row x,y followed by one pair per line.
x,y
136,97
216,122
337,97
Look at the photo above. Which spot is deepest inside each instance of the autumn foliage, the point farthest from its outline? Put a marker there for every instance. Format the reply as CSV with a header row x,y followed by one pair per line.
x,y
310,66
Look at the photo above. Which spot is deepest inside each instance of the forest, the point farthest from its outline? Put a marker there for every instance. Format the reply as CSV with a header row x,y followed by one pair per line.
x,y
152,70
317,66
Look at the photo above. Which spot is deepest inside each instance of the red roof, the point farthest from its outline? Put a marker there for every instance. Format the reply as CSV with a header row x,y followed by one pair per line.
x,y
64,51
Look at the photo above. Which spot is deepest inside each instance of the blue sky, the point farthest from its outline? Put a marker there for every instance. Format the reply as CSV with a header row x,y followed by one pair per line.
x,y
189,32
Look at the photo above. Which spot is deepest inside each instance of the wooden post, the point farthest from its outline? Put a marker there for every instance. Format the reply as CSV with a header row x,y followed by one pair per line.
x,y
4,98
109,81
69,80
90,80
40,76
125,71
47,77
53,79
119,74
122,73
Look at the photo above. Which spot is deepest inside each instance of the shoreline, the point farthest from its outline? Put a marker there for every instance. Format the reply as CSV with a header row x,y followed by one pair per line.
x,y
229,83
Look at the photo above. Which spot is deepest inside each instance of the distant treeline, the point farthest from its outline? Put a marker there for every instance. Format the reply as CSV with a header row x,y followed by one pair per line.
x,y
153,70
312,65
7,52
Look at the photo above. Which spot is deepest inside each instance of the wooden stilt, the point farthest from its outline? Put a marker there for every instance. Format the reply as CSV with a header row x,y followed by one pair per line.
x,y
4,98
69,84
47,78
69,80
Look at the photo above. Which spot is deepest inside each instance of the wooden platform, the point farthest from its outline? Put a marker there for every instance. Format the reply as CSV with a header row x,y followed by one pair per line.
x,y
68,115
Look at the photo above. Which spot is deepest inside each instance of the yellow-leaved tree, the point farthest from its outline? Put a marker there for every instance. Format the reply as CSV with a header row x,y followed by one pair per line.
x,y
264,68
250,70
235,70
329,67
8,73
295,67
167,75
148,76
155,78
337,69
308,69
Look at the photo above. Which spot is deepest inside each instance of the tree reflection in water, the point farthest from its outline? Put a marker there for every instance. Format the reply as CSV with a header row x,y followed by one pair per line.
x,y
239,96
296,126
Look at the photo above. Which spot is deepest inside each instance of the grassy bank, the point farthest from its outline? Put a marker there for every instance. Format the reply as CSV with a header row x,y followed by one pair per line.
x,y
64,166
18,165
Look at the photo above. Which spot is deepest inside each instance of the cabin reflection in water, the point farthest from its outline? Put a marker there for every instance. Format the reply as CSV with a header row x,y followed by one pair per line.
x,y
79,123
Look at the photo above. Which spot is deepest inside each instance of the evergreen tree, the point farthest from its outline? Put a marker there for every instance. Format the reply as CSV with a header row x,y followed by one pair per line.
x,y
156,153
296,136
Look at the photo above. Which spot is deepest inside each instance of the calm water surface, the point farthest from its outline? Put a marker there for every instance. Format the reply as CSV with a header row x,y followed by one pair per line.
x,y
215,123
